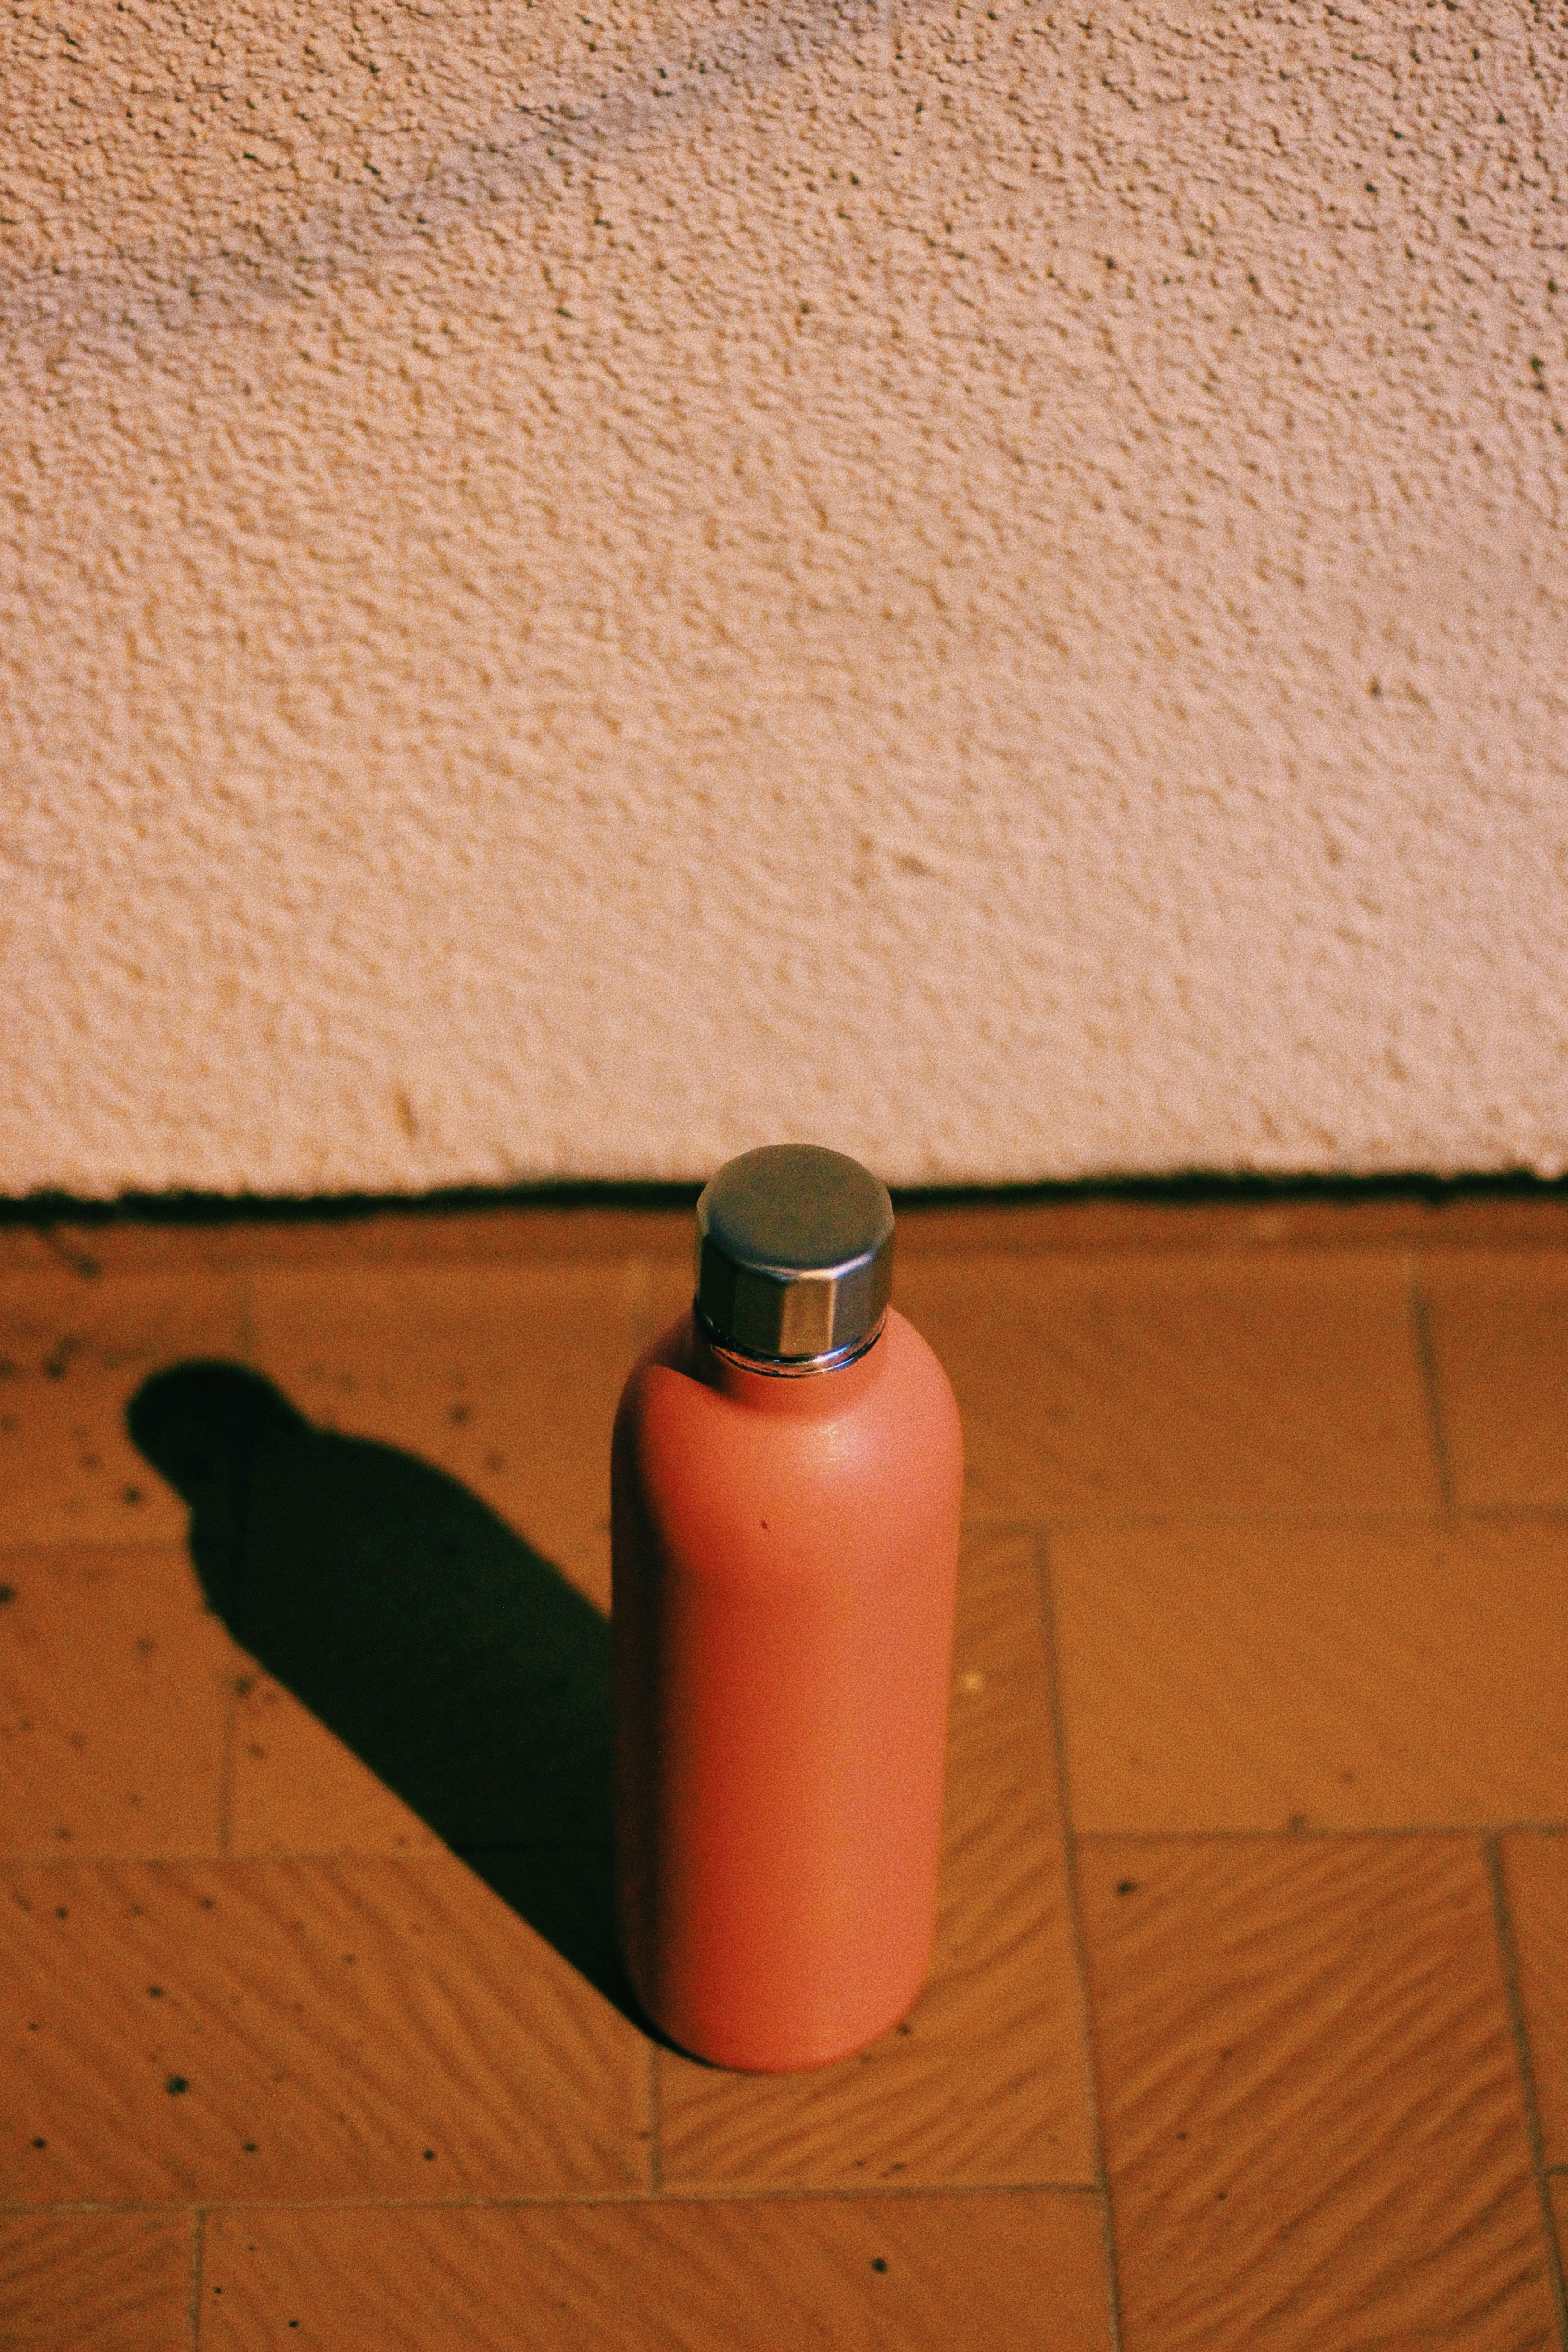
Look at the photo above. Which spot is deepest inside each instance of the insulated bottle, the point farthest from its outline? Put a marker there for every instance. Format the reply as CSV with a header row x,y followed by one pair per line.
x,y
786,1489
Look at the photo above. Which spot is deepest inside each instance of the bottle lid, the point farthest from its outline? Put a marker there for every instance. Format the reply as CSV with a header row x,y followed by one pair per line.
x,y
794,1257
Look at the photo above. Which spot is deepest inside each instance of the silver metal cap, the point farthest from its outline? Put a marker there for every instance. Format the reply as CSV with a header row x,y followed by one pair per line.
x,y
794,1257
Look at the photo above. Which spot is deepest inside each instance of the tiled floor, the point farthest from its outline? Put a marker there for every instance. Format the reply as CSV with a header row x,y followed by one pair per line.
x,y
1249,2025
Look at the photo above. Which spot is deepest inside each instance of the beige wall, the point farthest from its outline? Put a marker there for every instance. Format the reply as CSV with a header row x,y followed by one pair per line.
x,y
586,588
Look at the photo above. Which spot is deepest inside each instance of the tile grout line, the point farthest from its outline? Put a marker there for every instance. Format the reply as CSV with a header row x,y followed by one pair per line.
x,y
225,1769
979,1530
1303,1833
654,2152
199,2237
432,1856
1426,1358
50,1545
1509,1957
699,2193
1075,1922
79,1261
237,1679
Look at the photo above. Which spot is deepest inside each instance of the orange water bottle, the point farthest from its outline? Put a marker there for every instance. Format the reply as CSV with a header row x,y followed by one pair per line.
x,y
786,1477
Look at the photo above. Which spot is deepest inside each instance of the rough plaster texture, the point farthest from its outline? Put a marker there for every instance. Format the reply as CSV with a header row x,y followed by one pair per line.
x,y
585,586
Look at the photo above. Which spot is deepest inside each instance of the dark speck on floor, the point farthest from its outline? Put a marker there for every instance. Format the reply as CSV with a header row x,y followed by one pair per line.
x,y
175,2084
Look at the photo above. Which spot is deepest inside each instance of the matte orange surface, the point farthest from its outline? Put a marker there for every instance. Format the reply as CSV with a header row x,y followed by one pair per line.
x,y
1246,2023
785,1557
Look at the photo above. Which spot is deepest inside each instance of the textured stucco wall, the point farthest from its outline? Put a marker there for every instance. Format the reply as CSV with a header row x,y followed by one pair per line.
x,y
585,587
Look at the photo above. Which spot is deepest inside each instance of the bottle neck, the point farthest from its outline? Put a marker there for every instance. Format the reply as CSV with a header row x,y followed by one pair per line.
x,y
803,1391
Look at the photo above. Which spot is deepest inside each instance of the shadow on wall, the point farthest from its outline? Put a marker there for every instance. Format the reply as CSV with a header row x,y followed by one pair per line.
x,y
453,1659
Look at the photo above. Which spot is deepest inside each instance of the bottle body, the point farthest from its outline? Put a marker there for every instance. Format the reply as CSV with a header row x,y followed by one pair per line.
x,y
784,1562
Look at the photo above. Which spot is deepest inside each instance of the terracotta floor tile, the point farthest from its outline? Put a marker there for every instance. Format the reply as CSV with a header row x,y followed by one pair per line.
x,y
322,1801
1313,2120
1535,1875
96,2282
316,2028
1021,2272
985,2082
297,1789
1500,1219
1280,1220
410,1232
1181,1385
1115,1222
115,1688
1500,1334
504,1375
658,1288
72,1352
1311,2107
1352,1676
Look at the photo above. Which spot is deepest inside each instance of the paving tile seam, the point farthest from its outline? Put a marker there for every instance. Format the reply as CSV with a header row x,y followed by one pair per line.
x,y
198,2235
100,1276
97,1275
80,1262
9,2210
741,2194
49,1546
1508,1957
977,1523
1431,1384
89,1249
1316,1831
1089,2071
1213,1249
507,1261
435,1857
1505,1514
1069,1522
1379,1251
228,1764
119,1858
1450,1256
425,1857
655,2148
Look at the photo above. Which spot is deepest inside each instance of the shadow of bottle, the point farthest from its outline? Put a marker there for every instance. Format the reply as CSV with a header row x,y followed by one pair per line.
x,y
454,1661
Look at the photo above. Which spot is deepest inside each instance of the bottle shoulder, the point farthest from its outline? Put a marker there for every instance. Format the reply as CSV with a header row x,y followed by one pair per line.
x,y
896,1405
